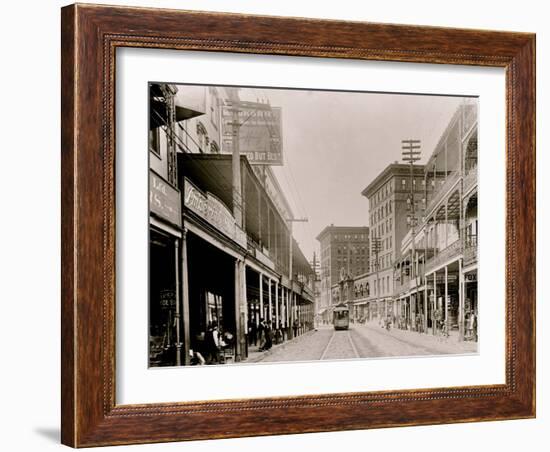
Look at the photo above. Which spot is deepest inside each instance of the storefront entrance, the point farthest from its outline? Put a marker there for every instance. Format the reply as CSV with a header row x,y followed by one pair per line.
x,y
162,299
211,293
470,306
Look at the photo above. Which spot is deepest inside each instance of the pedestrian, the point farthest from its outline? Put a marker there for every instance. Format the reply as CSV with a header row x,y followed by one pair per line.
x,y
418,323
295,327
471,327
279,334
211,340
253,333
195,358
268,334
261,331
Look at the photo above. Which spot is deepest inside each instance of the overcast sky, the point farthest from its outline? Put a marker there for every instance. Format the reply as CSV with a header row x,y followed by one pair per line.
x,y
336,143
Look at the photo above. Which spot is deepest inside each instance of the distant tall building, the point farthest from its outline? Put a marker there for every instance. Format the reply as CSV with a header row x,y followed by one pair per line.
x,y
344,250
389,206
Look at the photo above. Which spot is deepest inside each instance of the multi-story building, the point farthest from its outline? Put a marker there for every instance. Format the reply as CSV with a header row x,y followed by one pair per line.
x,y
389,196
344,255
221,245
436,280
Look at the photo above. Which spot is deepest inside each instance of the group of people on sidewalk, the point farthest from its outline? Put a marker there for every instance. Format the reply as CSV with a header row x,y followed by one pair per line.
x,y
439,327
217,344
266,333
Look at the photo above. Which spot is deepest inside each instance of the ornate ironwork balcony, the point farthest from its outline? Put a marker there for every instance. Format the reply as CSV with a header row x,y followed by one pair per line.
x,y
443,190
453,250
470,250
470,179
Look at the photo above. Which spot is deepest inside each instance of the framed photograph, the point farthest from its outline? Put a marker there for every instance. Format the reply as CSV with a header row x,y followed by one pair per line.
x,y
281,225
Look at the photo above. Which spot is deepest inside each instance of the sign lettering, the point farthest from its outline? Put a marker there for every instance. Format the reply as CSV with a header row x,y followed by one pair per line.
x,y
213,211
164,200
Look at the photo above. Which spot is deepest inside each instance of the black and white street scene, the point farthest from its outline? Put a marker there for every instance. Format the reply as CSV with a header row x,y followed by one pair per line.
x,y
303,225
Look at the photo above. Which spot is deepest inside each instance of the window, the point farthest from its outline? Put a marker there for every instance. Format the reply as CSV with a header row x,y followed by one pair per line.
x,y
214,107
154,140
403,182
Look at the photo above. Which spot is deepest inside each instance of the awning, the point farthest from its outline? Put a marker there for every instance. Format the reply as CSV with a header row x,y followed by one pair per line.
x,y
189,102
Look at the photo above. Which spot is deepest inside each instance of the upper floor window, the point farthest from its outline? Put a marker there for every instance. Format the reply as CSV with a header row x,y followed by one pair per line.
x,y
154,140
214,107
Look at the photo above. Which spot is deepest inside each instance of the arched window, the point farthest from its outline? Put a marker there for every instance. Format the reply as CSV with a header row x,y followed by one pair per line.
x,y
202,136
214,148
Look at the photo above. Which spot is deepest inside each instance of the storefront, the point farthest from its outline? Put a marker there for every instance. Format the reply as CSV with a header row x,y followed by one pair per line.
x,y
164,280
211,274
470,306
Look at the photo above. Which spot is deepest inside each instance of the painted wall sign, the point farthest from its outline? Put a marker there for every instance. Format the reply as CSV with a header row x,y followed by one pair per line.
x,y
211,209
259,127
164,200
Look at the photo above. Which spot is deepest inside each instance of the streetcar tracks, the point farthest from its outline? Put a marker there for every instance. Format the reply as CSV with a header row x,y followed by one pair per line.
x,y
340,346
328,346
353,345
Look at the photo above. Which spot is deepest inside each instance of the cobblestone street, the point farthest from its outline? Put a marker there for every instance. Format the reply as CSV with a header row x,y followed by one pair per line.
x,y
363,341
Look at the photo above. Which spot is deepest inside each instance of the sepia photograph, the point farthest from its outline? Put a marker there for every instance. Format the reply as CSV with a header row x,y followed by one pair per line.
x,y
294,225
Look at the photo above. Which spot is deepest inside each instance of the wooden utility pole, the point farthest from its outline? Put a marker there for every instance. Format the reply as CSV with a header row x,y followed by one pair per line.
x,y
376,245
290,221
411,154
236,167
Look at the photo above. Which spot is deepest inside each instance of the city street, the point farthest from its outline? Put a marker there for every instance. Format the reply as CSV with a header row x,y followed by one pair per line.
x,y
363,341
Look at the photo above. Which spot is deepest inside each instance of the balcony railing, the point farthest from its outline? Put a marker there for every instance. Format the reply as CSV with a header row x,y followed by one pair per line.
x,y
470,117
259,252
453,250
401,285
470,179
442,191
470,250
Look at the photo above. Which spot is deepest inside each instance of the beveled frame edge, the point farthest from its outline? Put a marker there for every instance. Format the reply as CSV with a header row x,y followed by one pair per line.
x,y
90,35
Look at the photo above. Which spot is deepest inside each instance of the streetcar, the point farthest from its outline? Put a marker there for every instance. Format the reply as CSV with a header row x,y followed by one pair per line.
x,y
340,317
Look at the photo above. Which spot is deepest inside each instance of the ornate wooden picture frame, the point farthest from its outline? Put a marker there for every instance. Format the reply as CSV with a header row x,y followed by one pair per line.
x,y
90,37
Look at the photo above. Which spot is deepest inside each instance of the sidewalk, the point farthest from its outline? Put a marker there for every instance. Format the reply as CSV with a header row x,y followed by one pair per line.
x,y
438,344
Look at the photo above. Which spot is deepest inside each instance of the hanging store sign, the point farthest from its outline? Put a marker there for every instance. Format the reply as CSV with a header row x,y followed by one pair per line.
x,y
211,209
258,126
164,200
167,299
